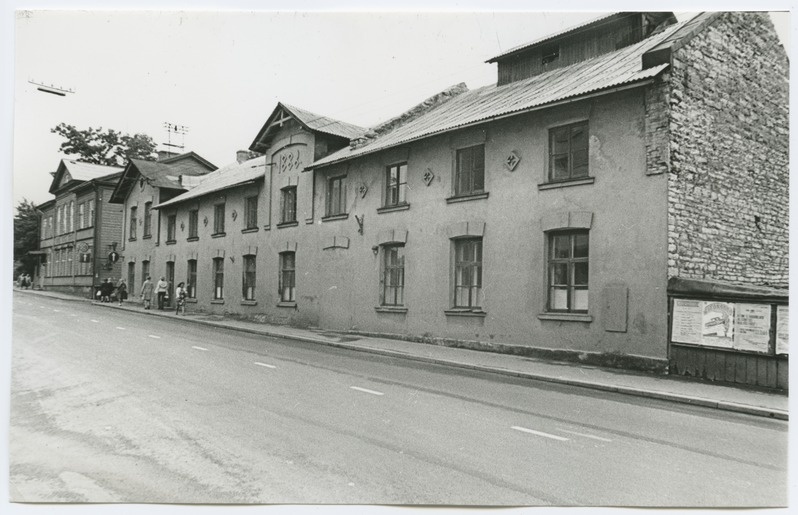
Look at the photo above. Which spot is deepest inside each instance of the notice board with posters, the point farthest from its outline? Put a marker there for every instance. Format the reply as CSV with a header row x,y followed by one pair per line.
x,y
727,325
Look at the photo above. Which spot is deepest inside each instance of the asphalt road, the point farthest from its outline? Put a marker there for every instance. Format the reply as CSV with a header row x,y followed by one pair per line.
x,y
113,406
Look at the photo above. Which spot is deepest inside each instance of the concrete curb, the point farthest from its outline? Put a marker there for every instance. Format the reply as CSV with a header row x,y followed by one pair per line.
x,y
625,390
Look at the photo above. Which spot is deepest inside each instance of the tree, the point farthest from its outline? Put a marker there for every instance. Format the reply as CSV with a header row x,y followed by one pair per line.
x,y
104,147
26,237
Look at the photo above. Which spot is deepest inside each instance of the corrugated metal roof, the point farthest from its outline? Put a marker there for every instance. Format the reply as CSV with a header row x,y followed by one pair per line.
x,y
611,70
223,178
325,124
80,171
164,175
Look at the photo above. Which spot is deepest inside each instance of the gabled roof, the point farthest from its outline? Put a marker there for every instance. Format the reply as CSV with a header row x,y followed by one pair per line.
x,y
609,71
161,174
229,176
309,121
73,171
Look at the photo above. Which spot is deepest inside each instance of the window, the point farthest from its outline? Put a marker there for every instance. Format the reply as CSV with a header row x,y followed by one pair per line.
x,y
393,275
133,222
90,221
193,223
396,185
81,216
58,220
191,279
131,277
70,215
251,208
468,273
287,276
218,278
288,204
470,171
171,227
145,270
568,152
147,219
248,285
568,271
336,195
550,54
218,219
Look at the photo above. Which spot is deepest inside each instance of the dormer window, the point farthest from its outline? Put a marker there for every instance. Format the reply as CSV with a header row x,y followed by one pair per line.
x,y
550,54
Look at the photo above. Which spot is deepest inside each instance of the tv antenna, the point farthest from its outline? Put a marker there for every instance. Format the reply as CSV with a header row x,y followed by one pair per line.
x,y
53,90
173,128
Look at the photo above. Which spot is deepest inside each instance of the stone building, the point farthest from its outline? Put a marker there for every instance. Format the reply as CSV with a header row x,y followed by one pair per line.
x,y
618,197
79,228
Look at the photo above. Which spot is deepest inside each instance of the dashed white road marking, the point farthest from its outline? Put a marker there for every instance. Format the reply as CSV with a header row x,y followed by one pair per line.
x,y
153,336
96,321
198,348
57,310
366,390
540,433
586,435
72,315
264,365
120,328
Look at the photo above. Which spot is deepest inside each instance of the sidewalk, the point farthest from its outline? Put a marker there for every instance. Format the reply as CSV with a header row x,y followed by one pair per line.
x,y
668,388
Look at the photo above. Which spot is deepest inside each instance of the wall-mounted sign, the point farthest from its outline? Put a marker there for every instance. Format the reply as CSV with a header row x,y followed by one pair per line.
x,y
687,321
718,324
752,327
782,330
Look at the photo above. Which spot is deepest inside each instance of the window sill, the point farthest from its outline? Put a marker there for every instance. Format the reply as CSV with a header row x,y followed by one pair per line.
x,y
465,312
131,239
218,235
192,238
390,209
286,305
283,225
217,301
391,309
146,237
467,198
191,301
249,230
566,184
332,218
566,317
170,242
249,302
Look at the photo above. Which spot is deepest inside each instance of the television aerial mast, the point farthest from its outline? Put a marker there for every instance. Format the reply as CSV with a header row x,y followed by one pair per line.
x,y
53,90
173,128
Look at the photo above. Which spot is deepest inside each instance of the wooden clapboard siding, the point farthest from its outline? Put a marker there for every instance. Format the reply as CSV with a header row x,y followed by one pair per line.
x,y
730,367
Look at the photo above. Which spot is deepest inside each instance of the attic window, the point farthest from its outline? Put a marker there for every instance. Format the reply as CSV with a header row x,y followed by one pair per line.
x,y
550,54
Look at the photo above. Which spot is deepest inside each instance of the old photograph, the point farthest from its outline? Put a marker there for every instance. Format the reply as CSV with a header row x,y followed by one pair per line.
x,y
409,258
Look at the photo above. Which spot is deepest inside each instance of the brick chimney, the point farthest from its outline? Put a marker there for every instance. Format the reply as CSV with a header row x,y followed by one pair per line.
x,y
246,155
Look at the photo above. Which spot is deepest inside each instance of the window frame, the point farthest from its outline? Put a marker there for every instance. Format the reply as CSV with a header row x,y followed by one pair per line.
x,y
218,278
552,156
171,228
133,226
251,212
193,223
219,213
147,232
288,203
249,277
90,222
570,262
191,278
81,215
392,273
475,295
341,198
460,154
287,275
398,189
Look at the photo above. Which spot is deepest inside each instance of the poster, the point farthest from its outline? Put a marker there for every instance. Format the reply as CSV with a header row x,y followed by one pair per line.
x,y
782,329
717,328
752,327
687,320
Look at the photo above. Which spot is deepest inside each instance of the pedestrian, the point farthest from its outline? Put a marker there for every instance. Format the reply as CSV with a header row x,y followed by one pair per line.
x,y
161,289
121,291
146,292
21,281
106,289
26,282
180,298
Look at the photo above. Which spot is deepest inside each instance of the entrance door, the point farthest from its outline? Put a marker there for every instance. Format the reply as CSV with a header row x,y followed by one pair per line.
x,y
170,278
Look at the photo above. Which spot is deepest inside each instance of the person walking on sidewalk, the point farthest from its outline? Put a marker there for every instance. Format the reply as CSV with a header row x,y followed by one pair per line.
x,y
161,290
146,292
180,299
121,291
106,288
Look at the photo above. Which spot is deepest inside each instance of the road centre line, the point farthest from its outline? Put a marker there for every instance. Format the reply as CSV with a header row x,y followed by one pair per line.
x,y
96,321
540,433
365,390
120,328
264,365
586,435
153,336
198,348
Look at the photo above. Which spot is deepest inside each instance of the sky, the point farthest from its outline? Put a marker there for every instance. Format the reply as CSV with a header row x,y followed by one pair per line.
x,y
222,73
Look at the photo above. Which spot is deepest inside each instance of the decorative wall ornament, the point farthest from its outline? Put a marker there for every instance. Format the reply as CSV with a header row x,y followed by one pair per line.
x,y
359,220
428,176
511,161
205,221
234,214
182,226
363,189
